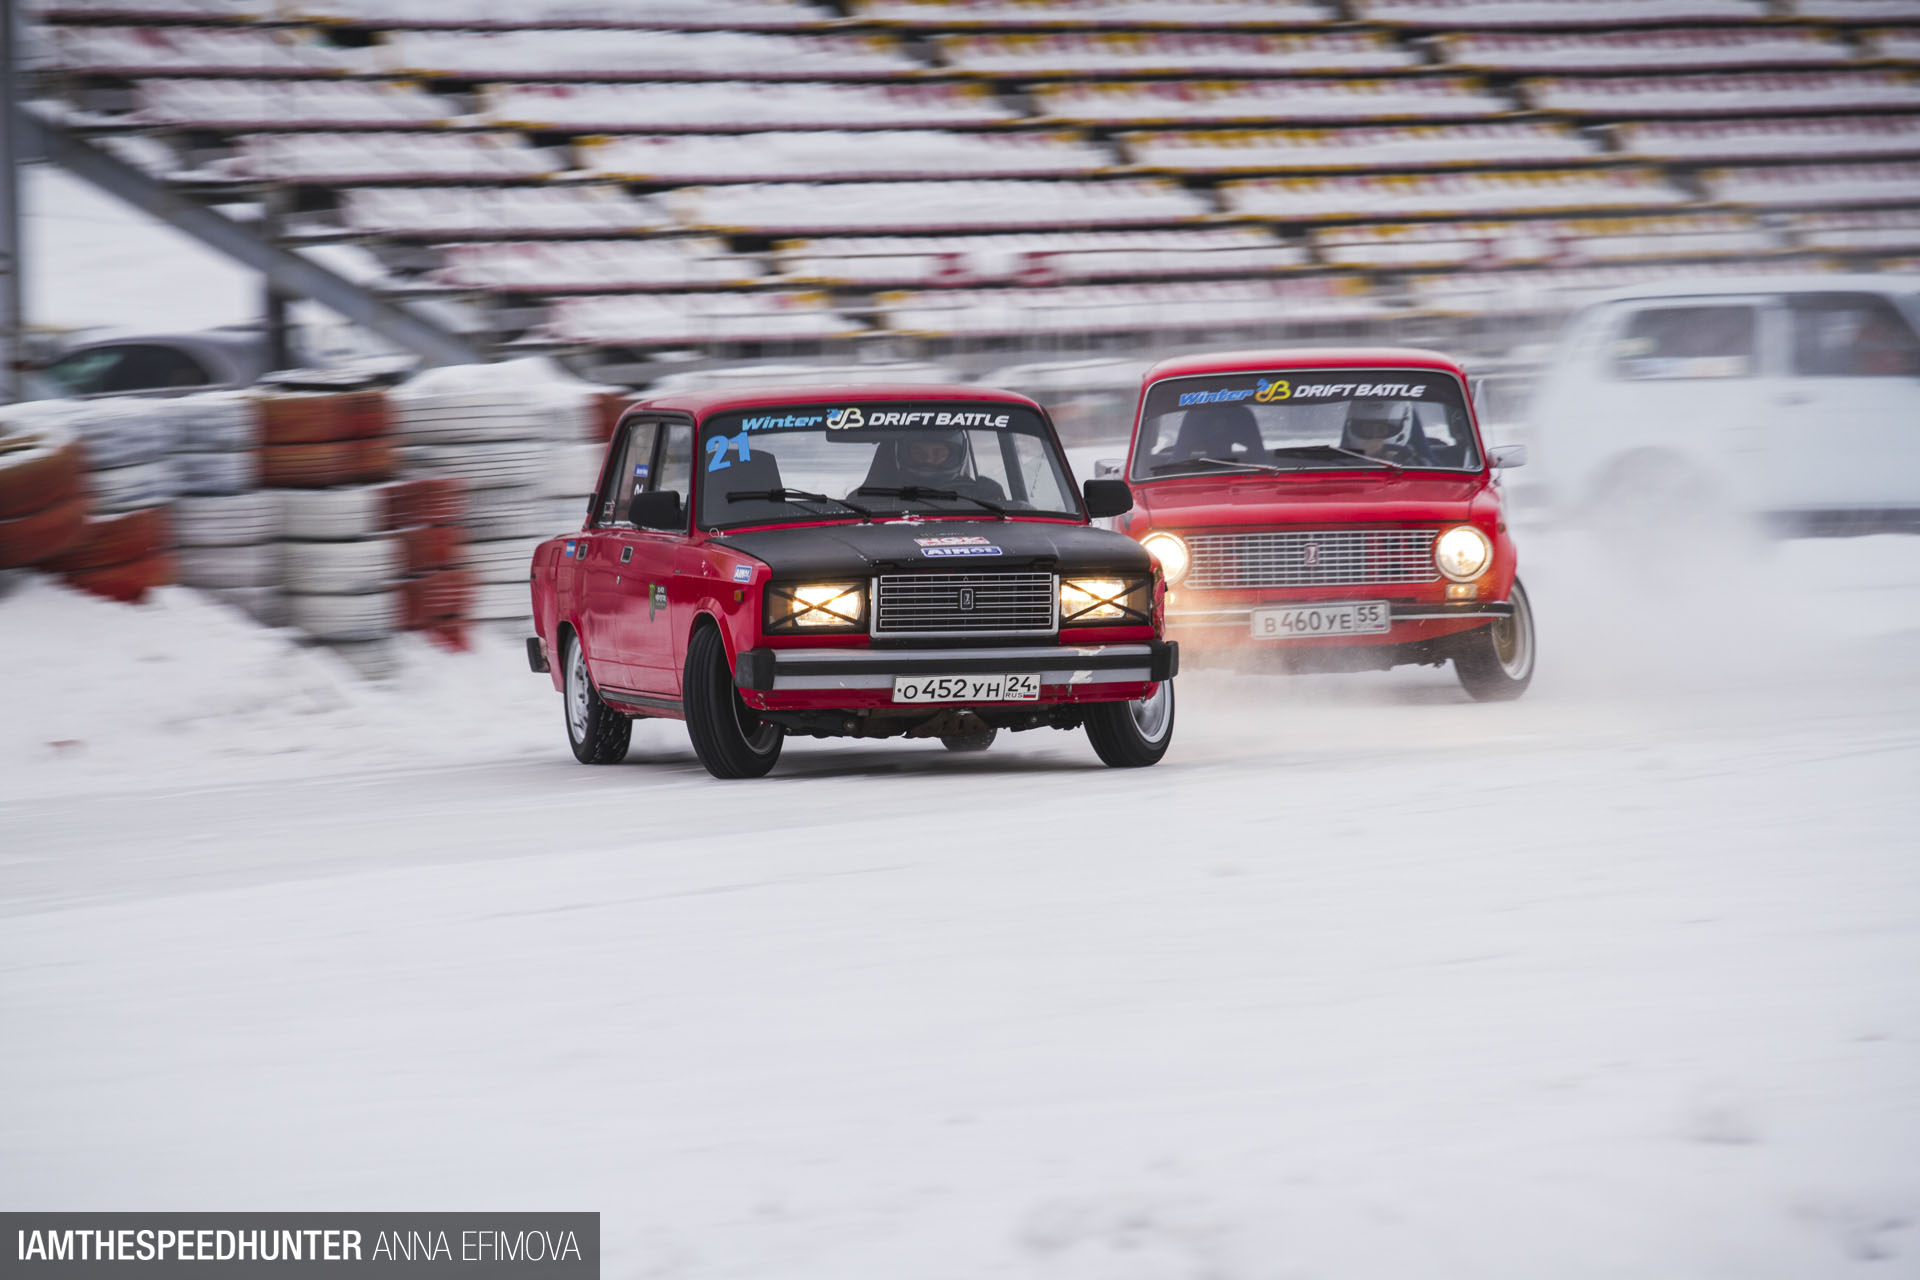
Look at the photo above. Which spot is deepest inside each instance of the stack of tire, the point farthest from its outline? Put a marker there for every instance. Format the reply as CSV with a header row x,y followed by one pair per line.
x,y
125,548
342,561
437,593
495,441
226,528
43,502
315,439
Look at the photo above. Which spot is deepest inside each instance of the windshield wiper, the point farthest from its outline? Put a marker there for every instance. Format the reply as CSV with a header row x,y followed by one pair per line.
x,y
1345,453
915,493
792,495
1235,463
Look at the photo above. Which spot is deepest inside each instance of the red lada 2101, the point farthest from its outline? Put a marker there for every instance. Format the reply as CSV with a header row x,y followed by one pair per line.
x,y
1330,510
853,561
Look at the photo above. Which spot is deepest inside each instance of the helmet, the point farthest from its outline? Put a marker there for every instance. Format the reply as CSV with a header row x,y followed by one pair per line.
x,y
931,457
1378,421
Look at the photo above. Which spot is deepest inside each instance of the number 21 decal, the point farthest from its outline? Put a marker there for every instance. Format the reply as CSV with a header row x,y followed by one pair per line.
x,y
718,447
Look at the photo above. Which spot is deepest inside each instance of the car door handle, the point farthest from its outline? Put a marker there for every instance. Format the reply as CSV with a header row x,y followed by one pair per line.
x,y
626,555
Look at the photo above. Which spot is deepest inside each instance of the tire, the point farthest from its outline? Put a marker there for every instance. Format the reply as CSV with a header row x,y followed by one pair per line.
x,y
1132,735
367,617
967,743
522,520
729,739
433,547
215,475
145,484
40,466
597,733
505,560
230,520
571,471
127,583
42,535
126,433
216,422
503,465
1495,664
438,598
265,605
503,601
316,466
341,568
111,540
336,515
428,501
255,566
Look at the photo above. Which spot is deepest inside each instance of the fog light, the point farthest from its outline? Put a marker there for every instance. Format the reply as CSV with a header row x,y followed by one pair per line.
x,y
1463,590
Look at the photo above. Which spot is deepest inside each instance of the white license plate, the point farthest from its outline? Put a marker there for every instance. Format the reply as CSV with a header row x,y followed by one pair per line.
x,y
1361,618
995,688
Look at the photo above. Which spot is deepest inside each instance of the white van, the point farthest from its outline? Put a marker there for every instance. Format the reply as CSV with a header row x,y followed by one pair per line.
x,y
1794,399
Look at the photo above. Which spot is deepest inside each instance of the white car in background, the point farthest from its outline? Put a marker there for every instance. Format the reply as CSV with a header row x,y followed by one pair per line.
x,y
1796,400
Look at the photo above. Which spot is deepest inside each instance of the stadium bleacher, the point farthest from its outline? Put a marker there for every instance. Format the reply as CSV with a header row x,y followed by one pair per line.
x,y
652,173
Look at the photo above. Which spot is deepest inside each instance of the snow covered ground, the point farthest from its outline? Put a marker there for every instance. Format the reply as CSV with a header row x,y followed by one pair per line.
x,y
1364,980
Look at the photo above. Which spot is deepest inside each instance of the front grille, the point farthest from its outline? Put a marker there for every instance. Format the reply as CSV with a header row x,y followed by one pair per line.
x,y
919,604
1312,558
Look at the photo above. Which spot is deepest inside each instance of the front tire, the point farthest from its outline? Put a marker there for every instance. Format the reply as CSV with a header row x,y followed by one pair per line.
x,y
1132,735
1495,664
728,737
597,733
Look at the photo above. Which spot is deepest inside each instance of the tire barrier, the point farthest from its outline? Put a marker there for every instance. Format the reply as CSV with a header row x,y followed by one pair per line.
x,y
235,520
104,541
216,474
440,599
265,605
371,616
503,601
256,566
430,547
500,560
308,417
41,535
343,568
144,484
128,583
316,466
337,515
41,462
216,422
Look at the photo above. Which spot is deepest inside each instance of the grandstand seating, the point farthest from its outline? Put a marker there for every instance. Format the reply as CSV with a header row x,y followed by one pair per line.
x,y
656,173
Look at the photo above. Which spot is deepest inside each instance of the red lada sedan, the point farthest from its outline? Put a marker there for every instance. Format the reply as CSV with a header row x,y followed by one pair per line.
x,y
1330,510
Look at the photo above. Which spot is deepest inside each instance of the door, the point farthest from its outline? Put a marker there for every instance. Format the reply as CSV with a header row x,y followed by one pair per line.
x,y
648,621
604,556
1844,426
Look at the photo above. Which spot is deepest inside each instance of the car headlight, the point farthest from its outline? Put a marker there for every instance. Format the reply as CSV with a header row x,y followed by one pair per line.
x,y
1463,553
1171,552
1084,600
841,605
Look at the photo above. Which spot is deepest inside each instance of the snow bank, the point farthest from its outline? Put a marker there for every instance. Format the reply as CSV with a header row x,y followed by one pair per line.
x,y
183,691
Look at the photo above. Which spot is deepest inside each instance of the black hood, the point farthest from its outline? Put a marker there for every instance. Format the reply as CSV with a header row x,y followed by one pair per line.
x,y
940,546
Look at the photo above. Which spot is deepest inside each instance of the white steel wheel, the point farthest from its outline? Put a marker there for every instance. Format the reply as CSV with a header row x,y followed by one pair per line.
x,y
1495,663
1132,735
597,733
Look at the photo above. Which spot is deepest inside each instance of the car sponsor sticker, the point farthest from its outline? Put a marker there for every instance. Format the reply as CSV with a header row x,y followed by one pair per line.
x,y
1281,389
960,551
953,541
656,599
743,573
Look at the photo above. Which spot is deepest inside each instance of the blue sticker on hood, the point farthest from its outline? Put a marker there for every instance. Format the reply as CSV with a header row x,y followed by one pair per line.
x,y
569,550
743,573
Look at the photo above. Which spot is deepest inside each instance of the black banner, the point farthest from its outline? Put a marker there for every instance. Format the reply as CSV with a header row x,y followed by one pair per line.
x,y
456,1246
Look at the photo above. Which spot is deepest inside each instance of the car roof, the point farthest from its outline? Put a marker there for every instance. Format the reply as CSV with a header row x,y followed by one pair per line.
x,y
1713,286
711,400
1266,361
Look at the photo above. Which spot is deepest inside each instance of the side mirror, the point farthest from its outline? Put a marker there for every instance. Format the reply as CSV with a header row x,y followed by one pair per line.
x,y
1107,498
657,509
1510,455
1109,468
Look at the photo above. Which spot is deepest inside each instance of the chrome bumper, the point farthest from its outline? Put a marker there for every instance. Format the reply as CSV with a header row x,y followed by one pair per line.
x,y
801,670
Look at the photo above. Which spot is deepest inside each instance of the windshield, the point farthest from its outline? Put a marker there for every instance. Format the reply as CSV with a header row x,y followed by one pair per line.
x,y
1345,419
879,461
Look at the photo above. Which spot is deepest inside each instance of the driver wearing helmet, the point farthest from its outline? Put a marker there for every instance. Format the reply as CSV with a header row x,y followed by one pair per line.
x,y
1384,429
930,460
